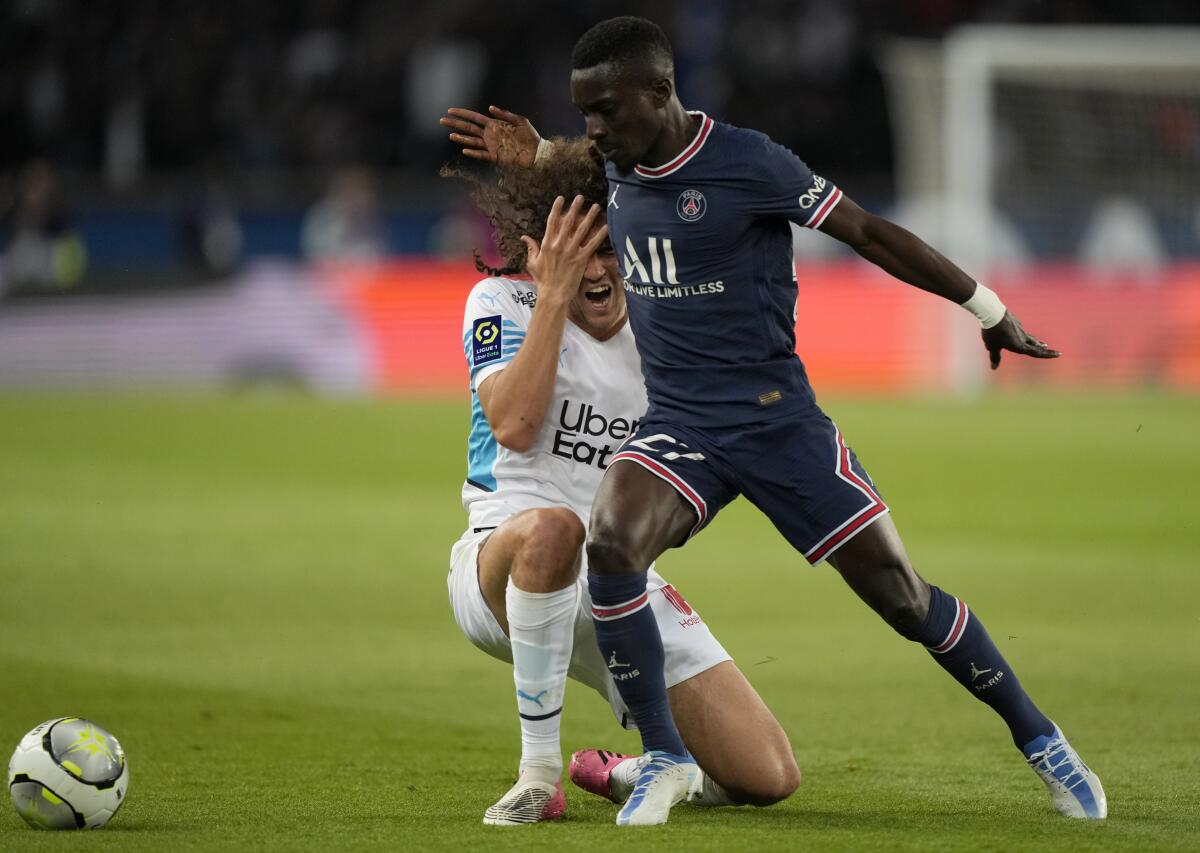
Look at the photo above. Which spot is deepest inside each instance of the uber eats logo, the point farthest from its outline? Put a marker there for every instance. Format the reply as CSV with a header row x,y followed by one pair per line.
x,y
585,435
486,340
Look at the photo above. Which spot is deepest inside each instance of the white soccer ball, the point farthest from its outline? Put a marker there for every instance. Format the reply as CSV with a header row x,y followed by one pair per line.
x,y
68,773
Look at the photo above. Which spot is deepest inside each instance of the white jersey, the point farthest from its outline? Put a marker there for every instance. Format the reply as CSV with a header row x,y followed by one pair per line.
x,y
599,396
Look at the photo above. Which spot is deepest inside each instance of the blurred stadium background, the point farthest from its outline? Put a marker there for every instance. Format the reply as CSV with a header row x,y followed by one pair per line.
x,y
211,193
247,589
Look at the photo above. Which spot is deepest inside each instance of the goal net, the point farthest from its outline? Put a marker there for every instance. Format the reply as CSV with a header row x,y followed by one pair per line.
x,y
1058,159
1085,140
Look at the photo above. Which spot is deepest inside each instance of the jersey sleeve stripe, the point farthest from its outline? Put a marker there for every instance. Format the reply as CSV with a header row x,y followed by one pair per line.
x,y
491,366
825,209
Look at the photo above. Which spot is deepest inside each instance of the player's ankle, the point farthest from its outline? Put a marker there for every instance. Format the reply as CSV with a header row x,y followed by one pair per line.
x,y
541,769
623,776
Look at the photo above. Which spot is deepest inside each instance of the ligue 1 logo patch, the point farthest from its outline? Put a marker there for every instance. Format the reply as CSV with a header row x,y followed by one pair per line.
x,y
691,205
486,340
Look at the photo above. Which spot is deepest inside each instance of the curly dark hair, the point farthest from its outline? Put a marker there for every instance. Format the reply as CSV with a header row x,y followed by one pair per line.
x,y
517,200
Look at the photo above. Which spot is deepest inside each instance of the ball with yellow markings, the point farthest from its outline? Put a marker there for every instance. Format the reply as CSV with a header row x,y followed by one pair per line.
x,y
68,773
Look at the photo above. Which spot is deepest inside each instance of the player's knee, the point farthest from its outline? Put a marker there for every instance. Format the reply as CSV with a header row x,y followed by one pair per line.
x,y
779,786
548,551
783,781
905,619
889,585
904,610
611,553
774,784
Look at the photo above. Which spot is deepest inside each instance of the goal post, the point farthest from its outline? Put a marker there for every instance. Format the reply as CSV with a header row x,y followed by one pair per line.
x,y
1047,157
1062,66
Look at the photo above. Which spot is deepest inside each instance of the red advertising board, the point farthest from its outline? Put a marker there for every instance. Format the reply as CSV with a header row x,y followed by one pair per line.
x,y
857,329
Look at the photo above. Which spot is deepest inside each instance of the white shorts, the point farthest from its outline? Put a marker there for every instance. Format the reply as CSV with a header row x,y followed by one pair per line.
x,y
689,646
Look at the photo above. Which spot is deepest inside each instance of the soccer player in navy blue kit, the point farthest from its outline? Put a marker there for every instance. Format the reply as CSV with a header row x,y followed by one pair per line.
x,y
698,213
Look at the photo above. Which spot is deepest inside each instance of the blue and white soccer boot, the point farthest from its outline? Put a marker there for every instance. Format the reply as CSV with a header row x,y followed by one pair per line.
x,y
663,780
1074,789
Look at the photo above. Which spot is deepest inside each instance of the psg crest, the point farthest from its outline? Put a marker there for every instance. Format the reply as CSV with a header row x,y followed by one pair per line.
x,y
691,205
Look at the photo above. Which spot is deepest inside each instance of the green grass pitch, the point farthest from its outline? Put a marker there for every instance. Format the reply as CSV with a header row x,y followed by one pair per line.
x,y
250,593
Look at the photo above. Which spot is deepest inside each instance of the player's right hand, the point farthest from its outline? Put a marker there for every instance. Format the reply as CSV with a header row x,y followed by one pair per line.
x,y
502,139
572,236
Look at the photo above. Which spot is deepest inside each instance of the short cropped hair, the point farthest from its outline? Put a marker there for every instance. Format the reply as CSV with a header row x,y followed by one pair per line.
x,y
637,47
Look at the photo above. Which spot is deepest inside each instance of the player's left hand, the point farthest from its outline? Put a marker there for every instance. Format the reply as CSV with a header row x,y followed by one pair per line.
x,y
1009,335
558,262
502,139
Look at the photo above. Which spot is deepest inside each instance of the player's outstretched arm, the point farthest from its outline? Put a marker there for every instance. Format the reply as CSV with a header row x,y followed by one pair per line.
x,y
515,400
907,257
502,138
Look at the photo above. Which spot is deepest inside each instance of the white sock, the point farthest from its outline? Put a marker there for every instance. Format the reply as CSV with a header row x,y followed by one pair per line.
x,y
623,776
712,794
541,628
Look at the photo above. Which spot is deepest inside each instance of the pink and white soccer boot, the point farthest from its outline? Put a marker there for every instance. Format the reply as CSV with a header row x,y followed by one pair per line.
x,y
528,801
591,769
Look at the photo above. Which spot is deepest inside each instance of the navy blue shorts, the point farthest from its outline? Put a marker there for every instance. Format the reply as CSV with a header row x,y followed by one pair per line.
x,y
798,471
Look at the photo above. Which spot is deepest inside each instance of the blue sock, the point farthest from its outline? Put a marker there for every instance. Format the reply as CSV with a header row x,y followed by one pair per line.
x,y
959,642
632,648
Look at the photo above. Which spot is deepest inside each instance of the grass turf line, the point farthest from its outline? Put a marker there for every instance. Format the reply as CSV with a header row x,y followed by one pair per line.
x,y
250,594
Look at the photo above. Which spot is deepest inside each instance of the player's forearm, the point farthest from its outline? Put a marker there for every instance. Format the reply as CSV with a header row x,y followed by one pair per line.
x,y
904,255
521,393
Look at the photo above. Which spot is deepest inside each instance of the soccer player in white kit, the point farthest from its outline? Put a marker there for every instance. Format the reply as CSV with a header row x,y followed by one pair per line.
x,y
555,389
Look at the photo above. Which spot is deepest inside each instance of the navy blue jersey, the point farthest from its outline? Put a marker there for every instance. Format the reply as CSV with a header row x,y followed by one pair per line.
x,y
706,254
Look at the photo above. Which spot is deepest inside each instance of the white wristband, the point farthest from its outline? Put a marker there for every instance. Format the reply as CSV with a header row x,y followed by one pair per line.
x,y
986,305
543,150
